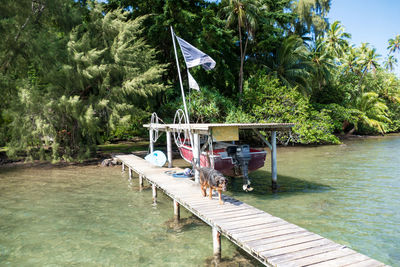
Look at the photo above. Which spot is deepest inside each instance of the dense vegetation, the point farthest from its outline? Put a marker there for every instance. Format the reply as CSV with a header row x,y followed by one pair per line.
x,y
74,74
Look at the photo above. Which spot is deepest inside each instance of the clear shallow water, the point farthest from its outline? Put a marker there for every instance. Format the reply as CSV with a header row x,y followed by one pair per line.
x,y
92,216
348,193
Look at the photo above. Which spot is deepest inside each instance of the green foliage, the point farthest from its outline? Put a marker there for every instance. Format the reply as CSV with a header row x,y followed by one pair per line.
x,y
108,74
269,101
205,106
74,74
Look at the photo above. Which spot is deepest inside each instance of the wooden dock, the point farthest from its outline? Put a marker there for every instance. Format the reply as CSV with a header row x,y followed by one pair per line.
x,y
269,239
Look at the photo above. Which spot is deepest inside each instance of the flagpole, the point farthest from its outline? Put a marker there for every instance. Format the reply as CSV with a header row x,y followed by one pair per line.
x,y
179,73
183,92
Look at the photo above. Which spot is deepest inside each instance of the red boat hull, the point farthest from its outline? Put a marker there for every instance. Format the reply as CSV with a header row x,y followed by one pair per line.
x,y
225,164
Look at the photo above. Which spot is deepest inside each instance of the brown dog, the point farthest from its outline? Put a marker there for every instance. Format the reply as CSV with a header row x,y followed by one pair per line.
x,y
210,178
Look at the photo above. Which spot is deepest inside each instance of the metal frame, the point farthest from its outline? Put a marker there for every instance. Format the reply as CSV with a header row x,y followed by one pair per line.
x,y
198,129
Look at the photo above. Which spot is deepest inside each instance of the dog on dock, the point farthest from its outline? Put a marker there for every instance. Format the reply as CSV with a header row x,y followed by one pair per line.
x,y
213,179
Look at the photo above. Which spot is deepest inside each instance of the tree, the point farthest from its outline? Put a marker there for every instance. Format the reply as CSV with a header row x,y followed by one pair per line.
x,y
244,14
108,76
367,61
311,15
390,62
336,39
321,63
372,111
290,63
394,44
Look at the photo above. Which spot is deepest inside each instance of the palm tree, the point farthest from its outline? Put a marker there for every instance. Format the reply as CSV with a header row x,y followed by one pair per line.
x,y
394,44
372,111
336,39
311,14
390,62
321,62
349,60
244,13
367,59
291,63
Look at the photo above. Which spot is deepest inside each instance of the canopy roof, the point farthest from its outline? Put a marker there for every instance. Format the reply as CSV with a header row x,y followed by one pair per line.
x,y
206,128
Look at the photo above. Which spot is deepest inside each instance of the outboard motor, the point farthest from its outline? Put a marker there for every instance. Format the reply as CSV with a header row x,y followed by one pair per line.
x,y
241,157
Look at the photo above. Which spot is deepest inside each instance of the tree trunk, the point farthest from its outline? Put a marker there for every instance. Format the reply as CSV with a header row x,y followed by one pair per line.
x,y
351,131
241,63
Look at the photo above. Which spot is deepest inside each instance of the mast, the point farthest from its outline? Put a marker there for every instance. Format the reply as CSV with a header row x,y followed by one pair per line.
x,y
180,78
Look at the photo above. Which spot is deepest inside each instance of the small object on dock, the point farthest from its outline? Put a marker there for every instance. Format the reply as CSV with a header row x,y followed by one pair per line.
x,y
157,158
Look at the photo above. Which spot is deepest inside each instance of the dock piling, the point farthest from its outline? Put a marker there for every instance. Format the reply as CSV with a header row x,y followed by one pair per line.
x,y
123,167
274,173
130,173
177,210
169,149
196,155
154,189
151,133
216,244
140,182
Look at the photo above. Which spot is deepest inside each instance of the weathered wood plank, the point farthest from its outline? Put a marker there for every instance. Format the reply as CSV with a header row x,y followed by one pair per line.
x,y
277,259
274,222
367,263
297,247
320,258
346,260
287,243
291,231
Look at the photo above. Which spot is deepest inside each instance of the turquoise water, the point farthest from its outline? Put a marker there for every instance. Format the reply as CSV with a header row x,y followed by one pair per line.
x,y
348,193
93,216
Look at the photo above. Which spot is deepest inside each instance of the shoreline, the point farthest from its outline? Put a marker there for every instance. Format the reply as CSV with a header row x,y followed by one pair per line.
x,y
101,154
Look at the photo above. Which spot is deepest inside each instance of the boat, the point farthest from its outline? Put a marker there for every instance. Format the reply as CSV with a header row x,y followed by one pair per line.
x,y
229,159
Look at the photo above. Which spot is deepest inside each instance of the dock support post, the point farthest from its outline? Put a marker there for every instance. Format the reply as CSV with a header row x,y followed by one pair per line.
x,y
140,182
123,167
151,133
154,189
274,171
196,155
216,244
177,210
130,173
169,149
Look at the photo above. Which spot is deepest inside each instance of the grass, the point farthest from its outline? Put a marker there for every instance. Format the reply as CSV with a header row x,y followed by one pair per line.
x,y
123,147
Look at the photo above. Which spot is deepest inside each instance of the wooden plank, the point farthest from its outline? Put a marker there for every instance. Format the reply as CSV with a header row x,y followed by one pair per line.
x,y
367,263
294,248
287,243
268,231
251,222
279,225
277,259
350,259
251,228
320,258
241,213
275,238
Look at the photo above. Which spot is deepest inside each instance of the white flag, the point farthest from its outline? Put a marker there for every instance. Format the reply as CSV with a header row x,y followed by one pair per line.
x,y
195,57
192,82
